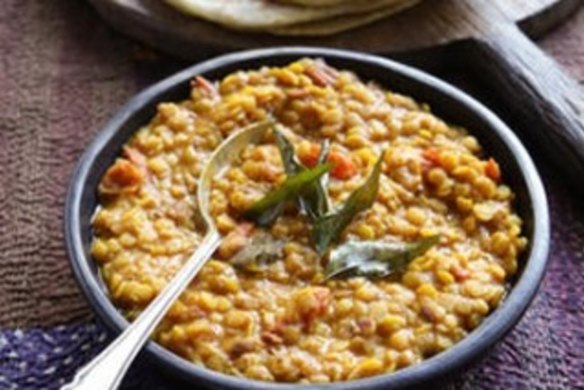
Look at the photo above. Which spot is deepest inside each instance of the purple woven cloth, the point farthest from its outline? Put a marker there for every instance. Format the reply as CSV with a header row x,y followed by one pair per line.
x,y
48,358
45,358
63,72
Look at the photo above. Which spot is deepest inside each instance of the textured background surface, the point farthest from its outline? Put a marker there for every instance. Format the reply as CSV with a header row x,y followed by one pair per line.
x,y
62,73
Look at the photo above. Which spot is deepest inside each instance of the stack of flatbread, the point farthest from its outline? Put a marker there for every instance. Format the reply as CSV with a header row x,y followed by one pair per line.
x,y
292,17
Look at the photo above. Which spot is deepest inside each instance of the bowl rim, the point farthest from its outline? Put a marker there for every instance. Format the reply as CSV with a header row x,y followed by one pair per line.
x,y
491,330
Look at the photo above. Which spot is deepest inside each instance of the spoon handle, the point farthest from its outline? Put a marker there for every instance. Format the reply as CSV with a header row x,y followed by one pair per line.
x,y
106,371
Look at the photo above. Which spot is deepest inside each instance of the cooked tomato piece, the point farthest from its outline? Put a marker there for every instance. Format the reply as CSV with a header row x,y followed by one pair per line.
x,y
309,155
319,76
492,170
460,274
123,176
311,302
432,155
343,166
205,85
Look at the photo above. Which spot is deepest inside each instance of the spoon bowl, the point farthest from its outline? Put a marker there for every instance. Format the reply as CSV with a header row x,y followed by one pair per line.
x,y
220,158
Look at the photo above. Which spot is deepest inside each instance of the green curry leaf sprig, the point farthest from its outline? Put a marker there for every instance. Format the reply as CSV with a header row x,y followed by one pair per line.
x,y
313,199
306,187
328,228
375,258
265,211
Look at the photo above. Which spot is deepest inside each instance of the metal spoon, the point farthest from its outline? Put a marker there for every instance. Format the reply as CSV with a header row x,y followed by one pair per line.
x,y
106,371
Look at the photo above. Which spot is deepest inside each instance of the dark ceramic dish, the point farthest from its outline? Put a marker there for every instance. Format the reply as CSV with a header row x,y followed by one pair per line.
x,y
446,101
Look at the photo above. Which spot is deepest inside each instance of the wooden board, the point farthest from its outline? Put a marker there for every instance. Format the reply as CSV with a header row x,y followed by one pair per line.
x,y
486,35
430,23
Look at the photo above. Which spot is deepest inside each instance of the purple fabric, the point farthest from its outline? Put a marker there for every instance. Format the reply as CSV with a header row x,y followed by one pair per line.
x,y
48,358
37,358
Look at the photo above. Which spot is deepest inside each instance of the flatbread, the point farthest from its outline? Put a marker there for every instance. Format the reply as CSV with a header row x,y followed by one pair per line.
x,y
340,24
315,3
263,14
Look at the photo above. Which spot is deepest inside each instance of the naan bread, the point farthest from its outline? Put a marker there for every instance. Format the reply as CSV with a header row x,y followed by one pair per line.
x,y
340,24
315,3
263,14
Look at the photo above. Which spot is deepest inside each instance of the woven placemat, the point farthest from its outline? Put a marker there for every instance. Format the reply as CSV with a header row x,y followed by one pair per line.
x,y
63,72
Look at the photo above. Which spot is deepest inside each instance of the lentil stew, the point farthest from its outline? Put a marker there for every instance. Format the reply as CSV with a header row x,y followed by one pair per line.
x,y
284,322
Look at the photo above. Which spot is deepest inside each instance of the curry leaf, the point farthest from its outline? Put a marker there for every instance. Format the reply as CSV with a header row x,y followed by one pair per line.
x,y
261,250
265,211
328,228
313,200
317,199
375,258
291,166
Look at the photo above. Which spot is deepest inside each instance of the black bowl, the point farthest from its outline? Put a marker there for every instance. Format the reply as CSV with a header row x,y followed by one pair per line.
x,y
446,101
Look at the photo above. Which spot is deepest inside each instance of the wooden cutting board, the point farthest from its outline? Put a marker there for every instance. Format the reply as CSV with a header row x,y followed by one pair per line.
x,y
432,22
488,36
